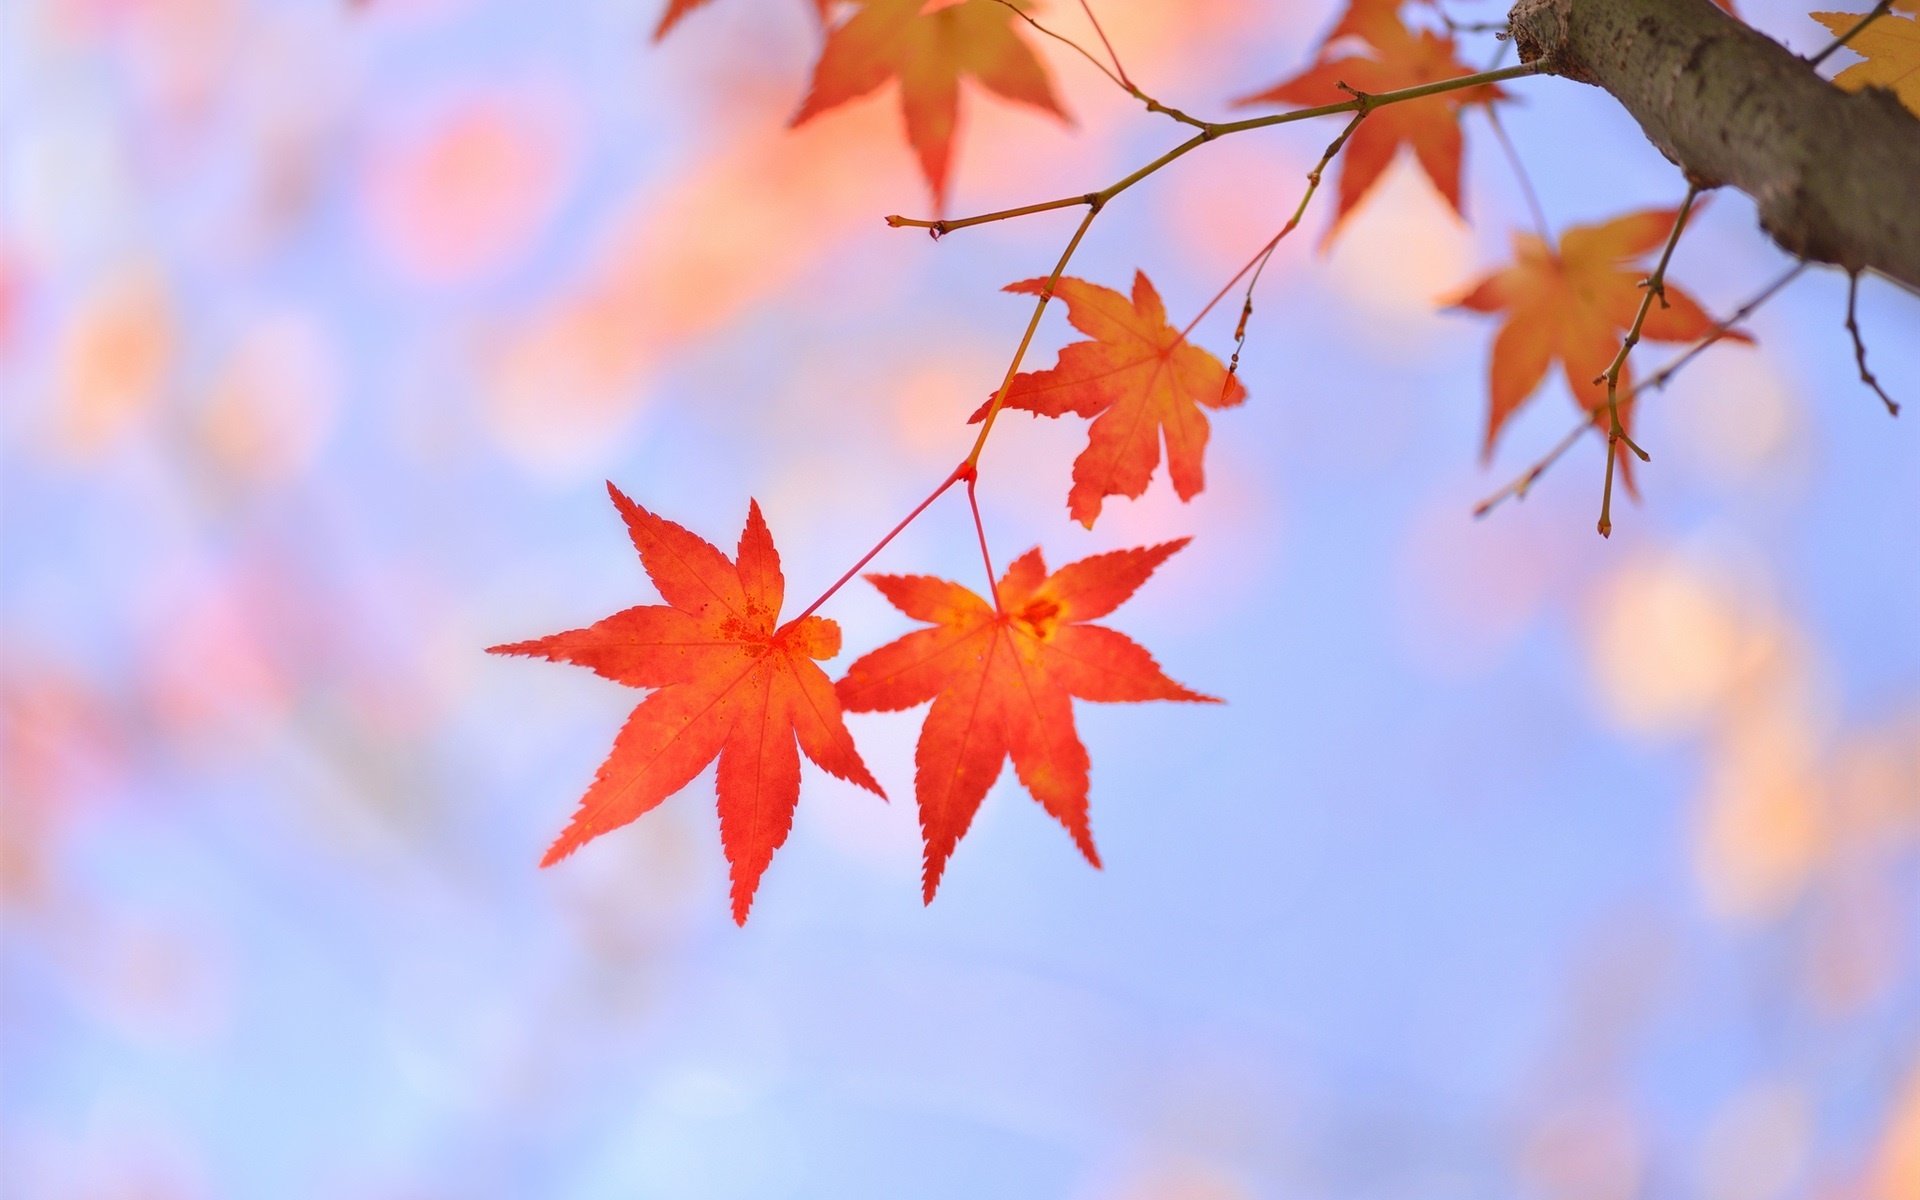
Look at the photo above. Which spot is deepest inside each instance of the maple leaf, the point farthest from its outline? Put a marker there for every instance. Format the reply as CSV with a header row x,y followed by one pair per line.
x,y
1401,58
928,49
728,680
1138,378
1891,48
1001,678
1575,304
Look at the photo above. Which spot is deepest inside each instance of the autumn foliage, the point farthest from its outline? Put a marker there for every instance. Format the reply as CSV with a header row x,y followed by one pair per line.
x,y
1138,380
1001,676
728,680
1386,57
1571,304
929,49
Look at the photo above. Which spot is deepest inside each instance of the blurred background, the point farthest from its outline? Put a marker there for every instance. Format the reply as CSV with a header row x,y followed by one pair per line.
x,y
1519,863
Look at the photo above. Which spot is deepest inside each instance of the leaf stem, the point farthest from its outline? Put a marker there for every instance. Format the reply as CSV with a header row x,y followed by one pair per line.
x,y
964,471
1258,263
1656,285
980,528
1540,226
1087,7
1120,80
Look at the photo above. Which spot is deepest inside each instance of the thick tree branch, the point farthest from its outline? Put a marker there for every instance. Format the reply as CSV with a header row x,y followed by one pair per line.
x,y
1835,174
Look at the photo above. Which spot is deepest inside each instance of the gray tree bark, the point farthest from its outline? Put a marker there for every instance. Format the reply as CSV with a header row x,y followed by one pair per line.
x,y
1836,175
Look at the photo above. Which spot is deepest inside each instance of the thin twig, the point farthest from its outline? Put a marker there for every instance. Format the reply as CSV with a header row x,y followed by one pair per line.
x,y
1087,8
1520,173
1211,131
980,528
1656,285
1659,378
1064,40
1258,263
1879,10
1120,81
1519,487
1026,339
1860,347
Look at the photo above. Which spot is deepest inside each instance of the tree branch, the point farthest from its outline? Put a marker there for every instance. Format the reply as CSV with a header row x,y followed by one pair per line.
x,y
1214,130
1834,173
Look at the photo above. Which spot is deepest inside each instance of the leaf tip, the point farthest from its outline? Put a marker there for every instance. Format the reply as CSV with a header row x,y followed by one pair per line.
x,y
563,846
930,877
1085,844
742,894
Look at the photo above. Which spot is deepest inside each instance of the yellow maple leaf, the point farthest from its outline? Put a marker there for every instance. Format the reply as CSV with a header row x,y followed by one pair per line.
x,y
1891,48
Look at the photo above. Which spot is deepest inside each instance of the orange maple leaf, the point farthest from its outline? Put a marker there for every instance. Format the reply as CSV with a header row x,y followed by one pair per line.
x,y
1575,304
1401,58
1001,677
1138,377
928,48
728,681
1891,48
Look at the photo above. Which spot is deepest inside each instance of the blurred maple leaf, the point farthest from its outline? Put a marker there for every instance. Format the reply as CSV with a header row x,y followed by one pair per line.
x,y
1575,304
1891,47
1139,376
1399,58
928,49
1000,677
729,682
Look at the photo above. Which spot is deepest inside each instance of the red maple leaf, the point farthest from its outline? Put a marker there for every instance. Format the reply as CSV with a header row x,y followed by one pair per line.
x,y
928,49
1399,58
1139,378
728,680
1575,304
1000,678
